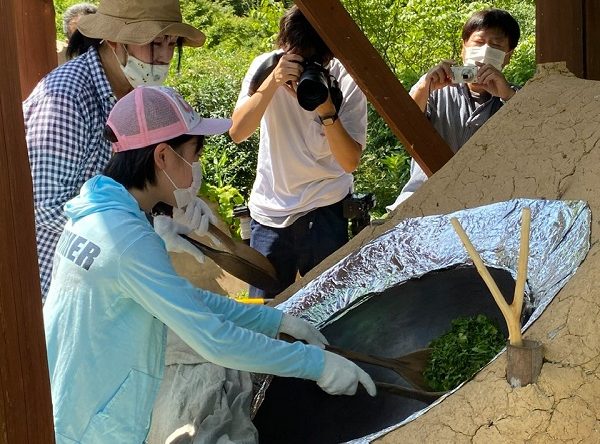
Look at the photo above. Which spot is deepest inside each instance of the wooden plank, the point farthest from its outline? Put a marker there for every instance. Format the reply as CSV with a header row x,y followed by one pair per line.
x,y
382,88
592,39
559,33
36,34
25,404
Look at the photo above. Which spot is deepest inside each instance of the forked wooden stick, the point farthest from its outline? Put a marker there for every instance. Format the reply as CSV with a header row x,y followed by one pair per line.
x,y
512,312
517,304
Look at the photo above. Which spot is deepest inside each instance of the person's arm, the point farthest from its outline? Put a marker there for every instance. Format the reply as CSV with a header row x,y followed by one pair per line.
x,y
436,78
153,283
346,137
246,116
417,178
344,148
57,139
258,318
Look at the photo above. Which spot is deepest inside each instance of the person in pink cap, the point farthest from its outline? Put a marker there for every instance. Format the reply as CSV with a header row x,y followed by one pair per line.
x,y
114,289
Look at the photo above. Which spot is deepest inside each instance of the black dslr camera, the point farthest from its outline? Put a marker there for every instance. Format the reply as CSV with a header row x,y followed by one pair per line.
x,y
314,83
356,208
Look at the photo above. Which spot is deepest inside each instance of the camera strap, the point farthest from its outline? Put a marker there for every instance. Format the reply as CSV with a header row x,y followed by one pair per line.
x,y
263,72
337,97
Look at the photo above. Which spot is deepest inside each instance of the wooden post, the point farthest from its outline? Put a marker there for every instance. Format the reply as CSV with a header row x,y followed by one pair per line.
x,y
569,31
25,404
592,39
382,88
36,41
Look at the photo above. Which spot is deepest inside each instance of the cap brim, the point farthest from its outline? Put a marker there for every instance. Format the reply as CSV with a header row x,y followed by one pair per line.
x,y
210,127
101,26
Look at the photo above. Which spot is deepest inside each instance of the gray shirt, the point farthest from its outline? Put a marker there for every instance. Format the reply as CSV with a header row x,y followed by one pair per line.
x,y
456,113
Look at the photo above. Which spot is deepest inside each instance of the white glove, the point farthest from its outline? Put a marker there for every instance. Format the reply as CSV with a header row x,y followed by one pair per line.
x,y
341,376
302,330
196,216
169,231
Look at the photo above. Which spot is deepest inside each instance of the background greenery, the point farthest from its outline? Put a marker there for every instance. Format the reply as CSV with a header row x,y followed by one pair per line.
x,y
410,35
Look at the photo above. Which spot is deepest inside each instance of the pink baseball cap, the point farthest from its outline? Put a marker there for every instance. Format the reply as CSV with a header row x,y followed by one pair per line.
x,y
153,114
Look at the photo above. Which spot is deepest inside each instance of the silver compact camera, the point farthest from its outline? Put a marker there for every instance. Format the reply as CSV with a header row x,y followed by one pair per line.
x,y
464,74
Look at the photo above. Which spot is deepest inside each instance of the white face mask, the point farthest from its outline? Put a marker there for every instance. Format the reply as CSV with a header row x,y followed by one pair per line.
x,y
142,73
183,196
484,54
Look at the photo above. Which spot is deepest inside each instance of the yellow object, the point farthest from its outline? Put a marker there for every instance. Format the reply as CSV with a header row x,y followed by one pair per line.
x,y
254,300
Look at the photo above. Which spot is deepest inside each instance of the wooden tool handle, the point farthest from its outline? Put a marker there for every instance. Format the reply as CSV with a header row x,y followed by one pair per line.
x,y
406,392
227,241
362,357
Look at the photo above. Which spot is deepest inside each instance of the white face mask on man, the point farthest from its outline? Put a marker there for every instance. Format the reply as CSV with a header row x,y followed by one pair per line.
x,y
484,54
183,196
142,73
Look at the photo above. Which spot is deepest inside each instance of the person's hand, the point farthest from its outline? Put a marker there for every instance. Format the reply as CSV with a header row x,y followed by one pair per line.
x,y
302,330
493,81
169,231
288,71
196,216
341,376
439,76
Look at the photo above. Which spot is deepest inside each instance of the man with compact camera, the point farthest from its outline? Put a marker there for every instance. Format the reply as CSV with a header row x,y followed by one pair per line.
x,y
458,100
313,120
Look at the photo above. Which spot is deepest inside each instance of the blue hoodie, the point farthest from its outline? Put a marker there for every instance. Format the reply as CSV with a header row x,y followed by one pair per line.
x,y
113,290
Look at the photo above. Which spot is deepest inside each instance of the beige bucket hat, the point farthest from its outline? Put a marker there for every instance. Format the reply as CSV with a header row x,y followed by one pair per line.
x,y
138,22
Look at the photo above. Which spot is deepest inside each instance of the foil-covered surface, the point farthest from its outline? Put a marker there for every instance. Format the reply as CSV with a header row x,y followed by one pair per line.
x,y
559,241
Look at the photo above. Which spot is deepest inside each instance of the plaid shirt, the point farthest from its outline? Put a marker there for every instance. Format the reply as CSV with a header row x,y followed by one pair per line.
x,y
64,122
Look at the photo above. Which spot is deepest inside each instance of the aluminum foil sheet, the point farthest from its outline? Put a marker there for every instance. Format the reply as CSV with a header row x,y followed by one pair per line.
x,y
559,241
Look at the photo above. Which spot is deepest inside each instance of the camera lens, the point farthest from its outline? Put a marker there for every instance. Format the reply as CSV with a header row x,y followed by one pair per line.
x,y
313,87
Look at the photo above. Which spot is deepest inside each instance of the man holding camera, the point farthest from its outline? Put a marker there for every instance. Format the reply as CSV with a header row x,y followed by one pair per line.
x,y
458,100
307,153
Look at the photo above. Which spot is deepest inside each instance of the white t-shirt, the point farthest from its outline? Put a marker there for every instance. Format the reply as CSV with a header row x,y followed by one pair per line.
x,y
296,170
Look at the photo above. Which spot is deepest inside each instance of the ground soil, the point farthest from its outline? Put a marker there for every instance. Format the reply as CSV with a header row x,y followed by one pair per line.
x,y
545,143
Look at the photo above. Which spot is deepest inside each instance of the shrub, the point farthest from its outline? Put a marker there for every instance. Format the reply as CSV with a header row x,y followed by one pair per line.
x,y
411,36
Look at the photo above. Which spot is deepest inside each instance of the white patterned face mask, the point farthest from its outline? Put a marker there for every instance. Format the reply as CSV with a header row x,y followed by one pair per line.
x,y
142,73
183,196
484,54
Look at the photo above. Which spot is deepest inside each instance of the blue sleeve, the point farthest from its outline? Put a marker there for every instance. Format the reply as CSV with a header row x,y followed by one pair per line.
x,y
265,320
147,276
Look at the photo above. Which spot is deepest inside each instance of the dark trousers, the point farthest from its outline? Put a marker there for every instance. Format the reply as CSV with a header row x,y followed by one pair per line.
x,y
302,245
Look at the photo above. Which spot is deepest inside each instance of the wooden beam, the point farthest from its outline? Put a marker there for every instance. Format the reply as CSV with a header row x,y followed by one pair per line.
x,y
382,88
559,33
592,39
36,34
25,404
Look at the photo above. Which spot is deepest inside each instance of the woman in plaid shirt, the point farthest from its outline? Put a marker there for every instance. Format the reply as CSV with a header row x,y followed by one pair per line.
x,y
123,45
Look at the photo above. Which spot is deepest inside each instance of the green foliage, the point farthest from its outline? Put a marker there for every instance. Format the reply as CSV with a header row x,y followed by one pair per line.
x,y
414,35
410,35
59,7
228,198
457,355
210,83
384,166
210,77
